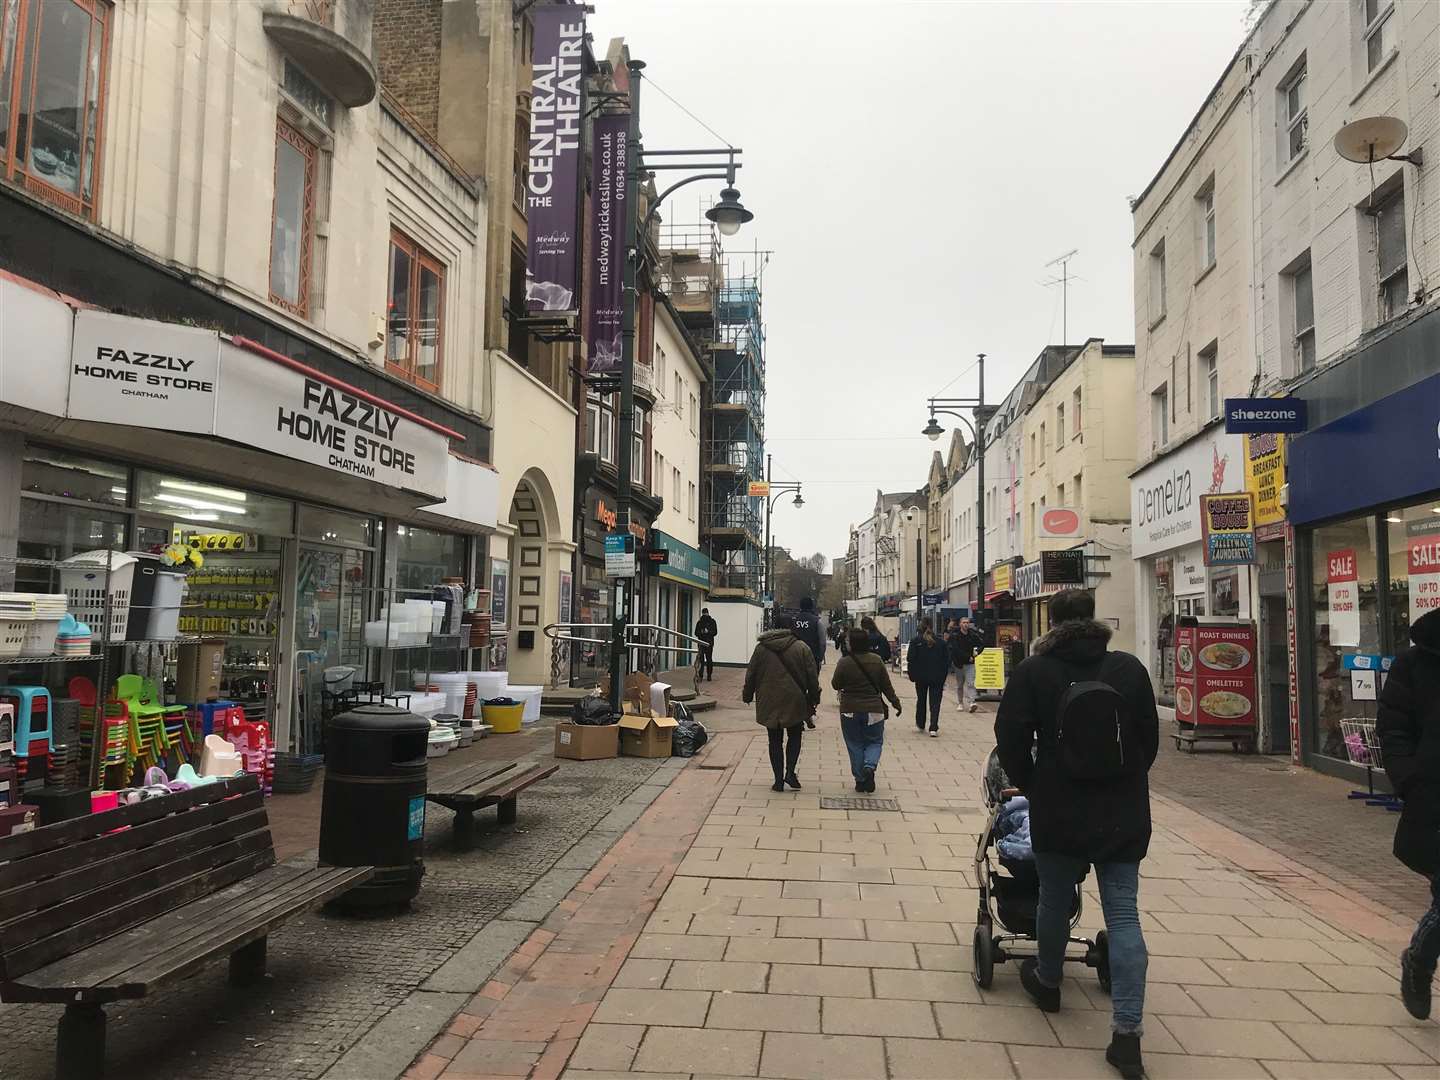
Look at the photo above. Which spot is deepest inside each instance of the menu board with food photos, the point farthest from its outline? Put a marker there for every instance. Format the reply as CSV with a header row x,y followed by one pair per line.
x,y
1215,675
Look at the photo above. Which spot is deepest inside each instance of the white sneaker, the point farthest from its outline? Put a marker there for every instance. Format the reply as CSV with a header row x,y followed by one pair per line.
x,y
934,734
959,706
974,707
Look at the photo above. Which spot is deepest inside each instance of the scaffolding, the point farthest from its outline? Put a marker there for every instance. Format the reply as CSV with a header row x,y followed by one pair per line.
x,y
719,300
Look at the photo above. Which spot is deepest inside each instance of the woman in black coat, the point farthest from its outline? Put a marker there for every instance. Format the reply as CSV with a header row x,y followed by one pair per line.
x,y
1409,730
927,662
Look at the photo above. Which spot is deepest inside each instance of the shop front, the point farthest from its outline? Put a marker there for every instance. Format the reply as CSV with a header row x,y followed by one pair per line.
x,y
1364,505
301,507
1005,613
1172,580
594,591
678,590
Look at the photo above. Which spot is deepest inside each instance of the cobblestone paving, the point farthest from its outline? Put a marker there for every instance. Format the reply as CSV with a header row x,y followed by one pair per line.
x,y
332,978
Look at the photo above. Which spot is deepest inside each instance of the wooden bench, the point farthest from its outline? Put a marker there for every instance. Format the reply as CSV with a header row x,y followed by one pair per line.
x,y
478,786
90,915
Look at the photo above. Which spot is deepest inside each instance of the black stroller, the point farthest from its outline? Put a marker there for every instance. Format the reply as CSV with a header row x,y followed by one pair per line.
x,y
1010,898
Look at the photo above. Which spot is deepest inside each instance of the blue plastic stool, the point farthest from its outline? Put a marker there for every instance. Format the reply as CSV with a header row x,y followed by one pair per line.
x,y
28,701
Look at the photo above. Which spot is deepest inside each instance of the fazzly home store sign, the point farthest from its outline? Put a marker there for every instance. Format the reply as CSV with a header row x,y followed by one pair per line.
x,y
1165,496
190,381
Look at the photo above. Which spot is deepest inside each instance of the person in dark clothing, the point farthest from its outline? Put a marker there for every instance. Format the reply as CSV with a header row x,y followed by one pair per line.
x,y
927,662
807,629
1076,823
879,643
864,687
706,630
965,640
782,681
1408,725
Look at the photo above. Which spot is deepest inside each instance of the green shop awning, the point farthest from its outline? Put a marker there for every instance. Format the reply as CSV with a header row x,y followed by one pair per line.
x,y
687,565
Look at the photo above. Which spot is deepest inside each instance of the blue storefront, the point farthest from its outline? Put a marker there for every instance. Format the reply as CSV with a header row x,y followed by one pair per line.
x,y
680,587
1363,549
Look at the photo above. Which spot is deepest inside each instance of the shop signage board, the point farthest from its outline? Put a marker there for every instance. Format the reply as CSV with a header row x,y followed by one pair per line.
x,y
1265,476
619,555
143,373
990,669
1030,583
1063,567
1060,523
1215,675
552,173
1422,559
1165,496
36,340
758,489
1244,416
1227,523
1001,577
1343,588
605,296
687,565
283,410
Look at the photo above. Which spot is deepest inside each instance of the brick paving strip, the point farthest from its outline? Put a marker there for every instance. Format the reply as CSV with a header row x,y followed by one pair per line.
x,y
794,942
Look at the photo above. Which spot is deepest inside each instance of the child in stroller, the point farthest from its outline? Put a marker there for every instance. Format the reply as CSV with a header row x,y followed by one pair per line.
x,y
1009,899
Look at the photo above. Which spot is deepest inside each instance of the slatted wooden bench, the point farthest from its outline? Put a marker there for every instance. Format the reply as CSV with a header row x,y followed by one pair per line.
x,y
109,906
478,786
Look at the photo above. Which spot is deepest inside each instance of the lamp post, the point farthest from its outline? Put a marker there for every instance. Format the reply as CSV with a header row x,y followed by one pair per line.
x,y
773,492
728,215
932,430
910,516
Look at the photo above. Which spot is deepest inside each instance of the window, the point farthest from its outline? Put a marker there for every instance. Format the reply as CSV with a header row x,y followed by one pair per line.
x,y
1379,33
657,474
1205,224
637,447
1391,262
600,427
675,487
660,370
292,227
306,95
414,325
1186,380
1060,426
1077,491
52,65
1209,366
1294,120
1159,418
1032,451
690,500
1043,442
1059,494
694,415
679,390
1075,410
1302,298
1157,283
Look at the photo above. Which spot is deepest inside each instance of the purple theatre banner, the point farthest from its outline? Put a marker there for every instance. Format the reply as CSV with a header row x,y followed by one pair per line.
x,y
608,163
552,184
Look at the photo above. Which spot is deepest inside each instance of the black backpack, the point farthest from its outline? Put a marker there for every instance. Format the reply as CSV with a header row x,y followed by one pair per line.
x,y
1096,736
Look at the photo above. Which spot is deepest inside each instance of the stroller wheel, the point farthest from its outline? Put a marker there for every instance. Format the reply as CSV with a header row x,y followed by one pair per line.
x,y
984,956
1100,959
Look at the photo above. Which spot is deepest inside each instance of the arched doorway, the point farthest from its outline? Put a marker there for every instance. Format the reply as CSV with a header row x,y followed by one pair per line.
x,y
538,560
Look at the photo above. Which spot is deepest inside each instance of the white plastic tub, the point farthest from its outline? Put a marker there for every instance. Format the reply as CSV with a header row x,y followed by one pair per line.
x,y
530,697
163,623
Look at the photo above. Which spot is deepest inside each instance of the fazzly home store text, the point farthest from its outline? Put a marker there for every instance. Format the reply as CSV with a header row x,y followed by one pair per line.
x,y
318,506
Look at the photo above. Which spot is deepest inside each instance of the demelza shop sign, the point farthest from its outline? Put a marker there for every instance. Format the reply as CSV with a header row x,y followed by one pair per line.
x,y
1165,497
180,378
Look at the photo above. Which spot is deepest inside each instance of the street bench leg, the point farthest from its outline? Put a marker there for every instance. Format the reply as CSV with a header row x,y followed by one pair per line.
x,y
505,814
464,836
247,963
80,1043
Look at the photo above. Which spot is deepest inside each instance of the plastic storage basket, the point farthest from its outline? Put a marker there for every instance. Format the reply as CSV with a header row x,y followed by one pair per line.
x,y
83,579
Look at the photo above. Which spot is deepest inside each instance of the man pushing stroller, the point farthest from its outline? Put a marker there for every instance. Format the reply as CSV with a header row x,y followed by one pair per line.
x,y
1090,716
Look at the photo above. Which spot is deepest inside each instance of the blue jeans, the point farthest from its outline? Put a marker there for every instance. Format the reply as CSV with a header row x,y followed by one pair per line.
x,y
1119,894
863,740
1425,945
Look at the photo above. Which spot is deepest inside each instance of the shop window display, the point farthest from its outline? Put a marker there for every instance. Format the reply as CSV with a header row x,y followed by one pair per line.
x,y
1344,569
212,507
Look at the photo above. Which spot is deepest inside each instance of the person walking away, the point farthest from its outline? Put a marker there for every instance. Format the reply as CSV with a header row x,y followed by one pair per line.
x,y
864,685
707,631
964,643
879,644
807,629
782,681
1090,714
1408,724
928,665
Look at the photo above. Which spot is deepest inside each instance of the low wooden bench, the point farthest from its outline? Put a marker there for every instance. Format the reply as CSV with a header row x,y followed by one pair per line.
x,y
478,786
110,906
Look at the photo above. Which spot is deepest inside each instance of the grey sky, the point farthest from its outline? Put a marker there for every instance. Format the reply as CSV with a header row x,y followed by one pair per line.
x,y
914,166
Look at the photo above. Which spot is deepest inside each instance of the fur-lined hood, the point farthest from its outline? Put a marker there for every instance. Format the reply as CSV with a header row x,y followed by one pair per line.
x,y
1078,639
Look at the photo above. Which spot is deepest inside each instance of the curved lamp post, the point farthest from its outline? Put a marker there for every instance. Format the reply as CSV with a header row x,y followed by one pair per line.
x,y
783,487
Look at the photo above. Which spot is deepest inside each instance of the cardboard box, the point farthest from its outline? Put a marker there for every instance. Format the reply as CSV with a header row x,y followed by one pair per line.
x,y
645,736
197,678
636,696
587,742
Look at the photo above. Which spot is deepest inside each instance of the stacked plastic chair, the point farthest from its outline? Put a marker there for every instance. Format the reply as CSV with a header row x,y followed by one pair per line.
x,y
174,718
149,741
116,751
252,739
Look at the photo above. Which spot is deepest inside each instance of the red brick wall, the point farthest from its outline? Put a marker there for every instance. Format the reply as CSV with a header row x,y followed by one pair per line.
x,y
407,52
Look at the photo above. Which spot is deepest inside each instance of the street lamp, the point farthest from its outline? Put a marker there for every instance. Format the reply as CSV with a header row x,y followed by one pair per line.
x,y
932,431
728,215
910,517
773,492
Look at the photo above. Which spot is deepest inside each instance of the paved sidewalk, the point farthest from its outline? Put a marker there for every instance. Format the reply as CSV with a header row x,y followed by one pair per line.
x,y
750,933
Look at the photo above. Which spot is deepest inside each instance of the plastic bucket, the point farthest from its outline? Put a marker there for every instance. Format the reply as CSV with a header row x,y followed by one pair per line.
x,y
504,719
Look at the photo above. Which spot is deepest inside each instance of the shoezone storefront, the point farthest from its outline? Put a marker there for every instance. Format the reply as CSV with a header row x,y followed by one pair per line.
x,y
317,508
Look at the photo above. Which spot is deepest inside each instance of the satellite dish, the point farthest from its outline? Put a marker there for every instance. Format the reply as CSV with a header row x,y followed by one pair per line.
x,y
1372,139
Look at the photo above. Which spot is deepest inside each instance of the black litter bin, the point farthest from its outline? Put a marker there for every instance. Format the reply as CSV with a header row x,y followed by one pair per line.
x,y
373,810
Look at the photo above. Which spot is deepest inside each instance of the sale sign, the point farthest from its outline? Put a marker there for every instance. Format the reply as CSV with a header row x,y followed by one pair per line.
x,y
1422,560
1343,586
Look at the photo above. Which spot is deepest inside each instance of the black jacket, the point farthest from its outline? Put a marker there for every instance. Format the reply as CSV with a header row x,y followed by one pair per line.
x,y
880,645
1100,821
807,629
928,664
964,644
706,629
1409,730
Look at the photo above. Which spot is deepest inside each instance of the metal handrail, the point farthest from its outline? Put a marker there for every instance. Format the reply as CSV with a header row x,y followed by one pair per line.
x,y
556,635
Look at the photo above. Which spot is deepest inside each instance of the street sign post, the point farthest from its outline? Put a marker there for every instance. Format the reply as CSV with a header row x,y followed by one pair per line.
x,y
619,555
